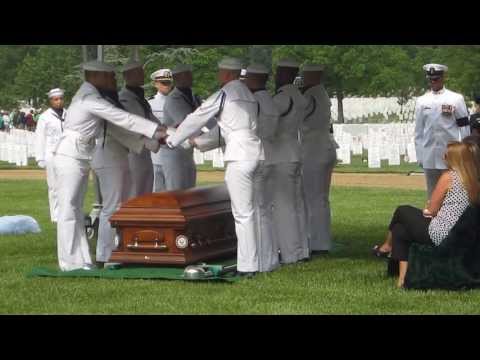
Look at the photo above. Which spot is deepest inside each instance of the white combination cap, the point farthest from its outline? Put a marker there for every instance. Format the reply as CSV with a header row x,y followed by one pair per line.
x,y
243,73
162,75
313,67
256,68
230,63
180,68
288,63
99,66
55,92
131,65
435,69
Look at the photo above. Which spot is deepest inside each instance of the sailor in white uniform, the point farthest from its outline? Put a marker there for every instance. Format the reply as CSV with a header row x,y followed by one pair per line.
x,y
318,158
163,82
47,135
256,80
178,165
235,109
73,155
289,211
132,98
441,116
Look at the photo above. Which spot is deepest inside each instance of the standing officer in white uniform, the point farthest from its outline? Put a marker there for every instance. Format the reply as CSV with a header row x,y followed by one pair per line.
x,y
318,158
289,208
47,135
178,165
236,109
132,97
441,116
256,80
163,81
73,155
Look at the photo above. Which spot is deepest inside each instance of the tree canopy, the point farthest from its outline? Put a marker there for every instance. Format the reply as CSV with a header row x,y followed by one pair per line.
x,y
29,71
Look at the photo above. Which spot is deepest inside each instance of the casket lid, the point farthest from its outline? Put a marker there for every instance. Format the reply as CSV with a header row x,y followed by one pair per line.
x,y
182,199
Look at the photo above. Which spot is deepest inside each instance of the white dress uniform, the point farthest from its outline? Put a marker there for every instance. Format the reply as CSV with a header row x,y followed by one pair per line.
x,y
318,158
157,104
435,128
178,164
47,135
141,167
268,259
289,208
72,165
236,110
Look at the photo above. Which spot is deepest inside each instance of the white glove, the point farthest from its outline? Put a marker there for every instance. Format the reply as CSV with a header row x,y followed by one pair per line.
x,y
41,164
152,145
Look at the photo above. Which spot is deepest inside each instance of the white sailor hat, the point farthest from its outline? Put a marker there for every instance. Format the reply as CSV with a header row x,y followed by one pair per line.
x,y
180,68
230,63
313,67
288,63
435,69
243,73
256,68
131,65
99,66
55,92
162,75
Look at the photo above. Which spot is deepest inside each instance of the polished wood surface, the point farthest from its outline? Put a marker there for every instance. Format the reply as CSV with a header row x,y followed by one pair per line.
x,y
149,226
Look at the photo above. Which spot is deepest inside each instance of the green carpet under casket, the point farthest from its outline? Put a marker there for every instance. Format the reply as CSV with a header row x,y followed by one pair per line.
x,y
130,272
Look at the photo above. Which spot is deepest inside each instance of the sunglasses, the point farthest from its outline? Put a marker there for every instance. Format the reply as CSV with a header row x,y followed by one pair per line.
x,y
433,78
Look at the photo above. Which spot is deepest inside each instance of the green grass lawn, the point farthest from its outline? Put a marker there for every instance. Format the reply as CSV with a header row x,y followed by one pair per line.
x,y
348,281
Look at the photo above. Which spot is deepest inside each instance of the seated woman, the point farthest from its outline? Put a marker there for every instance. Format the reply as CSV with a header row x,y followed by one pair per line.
x,y
457,188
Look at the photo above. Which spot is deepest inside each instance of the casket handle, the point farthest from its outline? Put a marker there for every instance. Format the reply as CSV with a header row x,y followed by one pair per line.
x,y
157,246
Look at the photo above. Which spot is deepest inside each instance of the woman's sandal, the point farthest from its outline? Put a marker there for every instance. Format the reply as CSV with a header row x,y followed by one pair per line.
x,y
381,254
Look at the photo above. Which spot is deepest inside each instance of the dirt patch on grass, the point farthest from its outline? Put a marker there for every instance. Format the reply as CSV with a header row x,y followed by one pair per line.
x,y
401,181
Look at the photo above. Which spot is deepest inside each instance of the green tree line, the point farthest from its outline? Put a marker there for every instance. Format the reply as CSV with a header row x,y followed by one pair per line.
x,y
29,71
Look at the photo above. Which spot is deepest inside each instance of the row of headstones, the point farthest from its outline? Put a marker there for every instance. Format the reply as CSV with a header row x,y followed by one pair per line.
x,y
356,108
383,142
17,146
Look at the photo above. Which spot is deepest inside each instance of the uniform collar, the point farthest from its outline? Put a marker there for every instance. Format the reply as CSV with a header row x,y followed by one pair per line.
x,y
439,92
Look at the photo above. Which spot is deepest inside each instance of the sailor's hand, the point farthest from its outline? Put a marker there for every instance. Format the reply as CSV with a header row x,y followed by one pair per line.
x,y
152,144
161,132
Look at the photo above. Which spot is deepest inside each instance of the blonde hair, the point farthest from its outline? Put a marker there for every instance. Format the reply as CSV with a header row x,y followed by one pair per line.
x,y
463,158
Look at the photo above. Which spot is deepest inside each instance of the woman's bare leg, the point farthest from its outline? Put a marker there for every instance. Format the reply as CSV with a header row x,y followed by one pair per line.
x,y
402,272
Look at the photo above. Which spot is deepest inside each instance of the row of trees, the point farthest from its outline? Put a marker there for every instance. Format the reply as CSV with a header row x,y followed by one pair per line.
x,y
29,71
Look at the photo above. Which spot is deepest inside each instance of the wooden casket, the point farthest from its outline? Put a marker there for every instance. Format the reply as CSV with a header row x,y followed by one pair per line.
x,y
175,228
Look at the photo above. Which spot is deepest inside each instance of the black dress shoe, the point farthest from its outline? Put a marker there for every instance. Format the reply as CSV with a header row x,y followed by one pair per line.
x,y
246,274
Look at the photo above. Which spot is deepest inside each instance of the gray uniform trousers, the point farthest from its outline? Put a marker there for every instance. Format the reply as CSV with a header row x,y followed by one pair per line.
x,y
115,186
317,176
289,213
432,176
268,258
158,178
179,169
141,172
